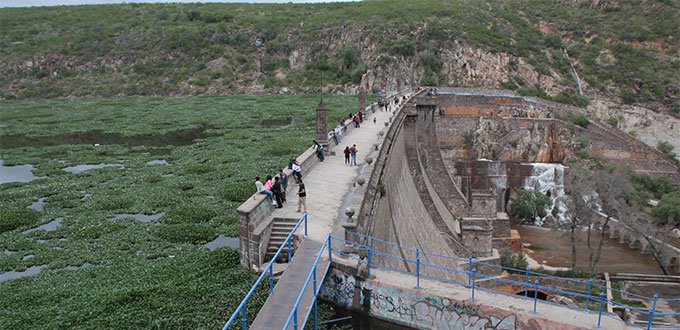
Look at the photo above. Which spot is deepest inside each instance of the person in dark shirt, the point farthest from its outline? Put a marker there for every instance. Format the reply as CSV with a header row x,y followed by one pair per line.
x,y
276,189
302,198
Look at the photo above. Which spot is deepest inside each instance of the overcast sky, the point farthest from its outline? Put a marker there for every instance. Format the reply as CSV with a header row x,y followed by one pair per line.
x,y
33,3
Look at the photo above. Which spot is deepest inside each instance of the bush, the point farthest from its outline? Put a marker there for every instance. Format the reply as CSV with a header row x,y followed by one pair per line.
x,y
186,233
570,97
613,122
529,204
579,120
14,217
667,149
513,260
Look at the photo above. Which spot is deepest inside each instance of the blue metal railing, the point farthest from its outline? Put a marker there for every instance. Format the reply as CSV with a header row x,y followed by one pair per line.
x,y
587,292
241,309
583,290
293,316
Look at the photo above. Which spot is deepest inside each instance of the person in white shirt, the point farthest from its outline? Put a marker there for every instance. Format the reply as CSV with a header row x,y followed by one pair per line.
x,y
262,190
297,171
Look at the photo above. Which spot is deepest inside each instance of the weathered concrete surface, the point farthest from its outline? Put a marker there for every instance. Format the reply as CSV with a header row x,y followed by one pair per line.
x,y
436,305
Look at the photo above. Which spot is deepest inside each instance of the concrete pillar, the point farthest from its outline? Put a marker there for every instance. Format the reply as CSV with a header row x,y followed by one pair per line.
x,y
362,100
322,125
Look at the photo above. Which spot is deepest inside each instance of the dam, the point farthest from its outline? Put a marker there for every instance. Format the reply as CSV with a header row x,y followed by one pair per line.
x,y
428,200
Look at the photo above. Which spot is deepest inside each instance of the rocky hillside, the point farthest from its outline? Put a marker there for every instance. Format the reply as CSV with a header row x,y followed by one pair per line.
x,y
618,58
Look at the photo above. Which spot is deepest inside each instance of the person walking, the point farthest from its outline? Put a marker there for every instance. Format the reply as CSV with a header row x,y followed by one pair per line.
x,y
302,198
353,155
261,189
276,190
347,152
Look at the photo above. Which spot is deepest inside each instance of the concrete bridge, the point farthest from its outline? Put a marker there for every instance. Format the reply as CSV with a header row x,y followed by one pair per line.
x,y
418,184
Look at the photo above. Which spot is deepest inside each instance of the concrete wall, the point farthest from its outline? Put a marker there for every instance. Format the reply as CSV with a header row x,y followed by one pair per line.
x,y
255,214
423,309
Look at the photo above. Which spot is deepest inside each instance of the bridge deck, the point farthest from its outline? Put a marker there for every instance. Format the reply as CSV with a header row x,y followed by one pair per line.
x,y
276,309
328,185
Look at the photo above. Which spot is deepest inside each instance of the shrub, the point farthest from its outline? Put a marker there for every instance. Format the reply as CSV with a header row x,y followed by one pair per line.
x,y
579,120
513,260
613,122
529,204
570,97
15,217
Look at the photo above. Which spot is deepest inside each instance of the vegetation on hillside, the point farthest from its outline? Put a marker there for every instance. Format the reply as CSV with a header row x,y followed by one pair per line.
x,y
190,49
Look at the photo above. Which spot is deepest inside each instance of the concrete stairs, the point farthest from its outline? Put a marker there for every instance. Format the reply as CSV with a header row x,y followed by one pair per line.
x,y
280,230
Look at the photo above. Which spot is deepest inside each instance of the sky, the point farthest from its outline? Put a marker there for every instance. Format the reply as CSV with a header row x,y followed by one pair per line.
x,y
34,3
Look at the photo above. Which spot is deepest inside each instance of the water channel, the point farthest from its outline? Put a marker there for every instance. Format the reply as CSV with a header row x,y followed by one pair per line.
x,y
553,248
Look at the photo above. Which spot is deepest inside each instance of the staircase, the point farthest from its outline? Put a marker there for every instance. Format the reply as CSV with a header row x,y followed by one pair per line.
x,y
280,230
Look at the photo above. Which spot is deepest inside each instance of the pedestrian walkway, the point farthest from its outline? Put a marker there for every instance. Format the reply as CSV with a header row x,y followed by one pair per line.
x,y
327,184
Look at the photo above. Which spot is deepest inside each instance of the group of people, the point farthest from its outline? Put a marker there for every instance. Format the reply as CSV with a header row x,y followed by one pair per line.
x,y
276,189
351,155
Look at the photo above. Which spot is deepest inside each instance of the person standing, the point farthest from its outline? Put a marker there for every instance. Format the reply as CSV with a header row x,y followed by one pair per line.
x,y
263,191
302,198
353,155
297,171
346,151
276,190
284,184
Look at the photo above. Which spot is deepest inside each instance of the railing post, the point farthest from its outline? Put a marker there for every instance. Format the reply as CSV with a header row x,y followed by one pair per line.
x,y
590,284
535,295
295,318
271,278
289,256
330,250
599,315
370,257
526,282
417,268
469,269
305,217
314,292
651,312
474,275
244,324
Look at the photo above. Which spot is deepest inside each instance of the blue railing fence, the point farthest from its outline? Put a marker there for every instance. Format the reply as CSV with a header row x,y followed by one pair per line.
x,y
588,296
287,244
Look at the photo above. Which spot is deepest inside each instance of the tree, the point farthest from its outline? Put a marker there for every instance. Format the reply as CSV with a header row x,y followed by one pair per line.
x,y
668,209
530,204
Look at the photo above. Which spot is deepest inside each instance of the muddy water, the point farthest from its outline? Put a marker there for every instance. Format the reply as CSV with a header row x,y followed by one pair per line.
x,y
554,247
18,173
175,138
222,241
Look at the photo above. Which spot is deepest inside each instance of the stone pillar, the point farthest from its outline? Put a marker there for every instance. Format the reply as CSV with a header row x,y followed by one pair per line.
x,y
322,125
362,100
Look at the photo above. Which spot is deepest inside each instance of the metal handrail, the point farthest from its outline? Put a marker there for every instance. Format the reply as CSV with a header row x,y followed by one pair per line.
x,y
292,317
242,306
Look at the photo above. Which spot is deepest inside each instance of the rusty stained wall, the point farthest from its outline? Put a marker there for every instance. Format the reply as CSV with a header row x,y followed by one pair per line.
x,y
423,310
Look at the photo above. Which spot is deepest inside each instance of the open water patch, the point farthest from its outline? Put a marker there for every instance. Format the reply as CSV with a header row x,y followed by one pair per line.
x,y
222,241
175,138
50,226
157,162
27,257
141,217
9,252
38,205
30,271
18,173
86,167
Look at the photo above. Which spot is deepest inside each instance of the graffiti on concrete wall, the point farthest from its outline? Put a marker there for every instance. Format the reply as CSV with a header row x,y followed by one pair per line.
x,y
413,308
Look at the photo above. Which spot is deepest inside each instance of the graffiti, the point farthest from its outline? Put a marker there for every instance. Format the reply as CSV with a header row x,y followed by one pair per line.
x,y
412,308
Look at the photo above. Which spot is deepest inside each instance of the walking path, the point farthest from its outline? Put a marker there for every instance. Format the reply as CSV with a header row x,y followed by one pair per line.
x,y
327,184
